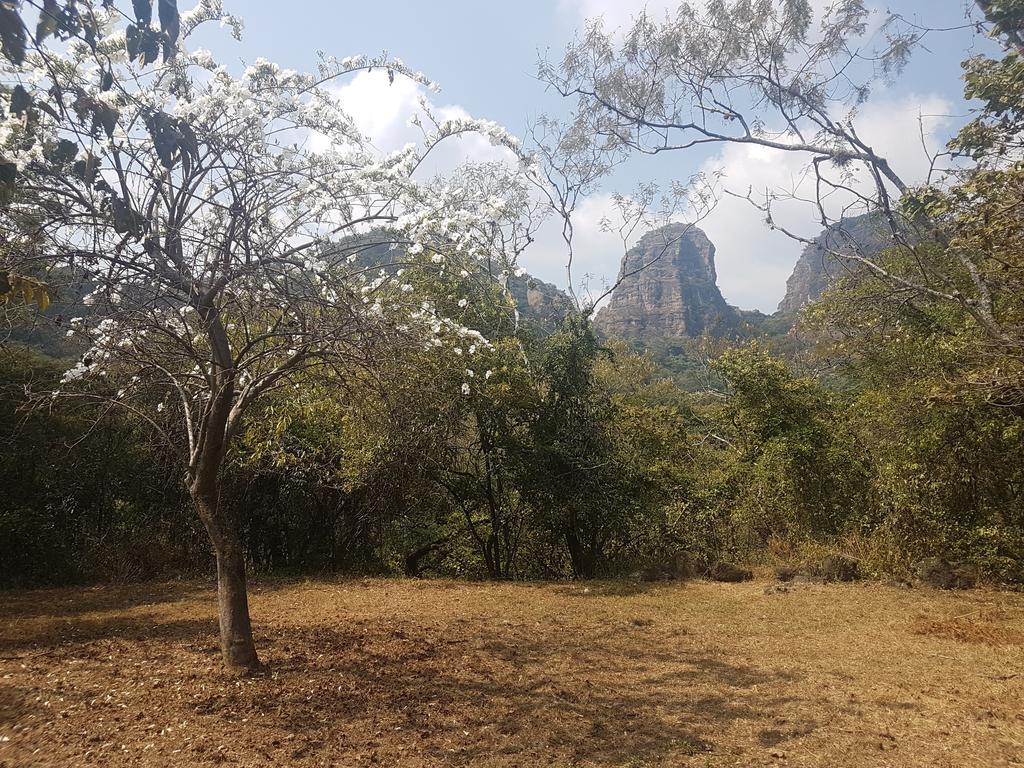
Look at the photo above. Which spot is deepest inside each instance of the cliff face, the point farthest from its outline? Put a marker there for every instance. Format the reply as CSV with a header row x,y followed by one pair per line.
x,y
817,268
541,305
676,295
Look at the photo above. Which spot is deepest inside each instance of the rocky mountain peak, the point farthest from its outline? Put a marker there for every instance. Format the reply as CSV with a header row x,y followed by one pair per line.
x,y
668,289
818,266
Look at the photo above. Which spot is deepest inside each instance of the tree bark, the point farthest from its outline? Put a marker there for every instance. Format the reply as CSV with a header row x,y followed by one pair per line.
x,y
581,558
237,647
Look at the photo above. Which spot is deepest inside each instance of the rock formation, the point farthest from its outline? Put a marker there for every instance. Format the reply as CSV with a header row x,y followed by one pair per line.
x,y
542,306
669,292
817,267
669,289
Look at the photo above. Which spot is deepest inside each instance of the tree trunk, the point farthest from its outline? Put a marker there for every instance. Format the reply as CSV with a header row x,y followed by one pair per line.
x,y
414,560
237,648
582,559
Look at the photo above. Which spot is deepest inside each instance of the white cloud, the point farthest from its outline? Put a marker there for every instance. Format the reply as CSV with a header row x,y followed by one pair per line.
x,y
381,111
597,253
754,262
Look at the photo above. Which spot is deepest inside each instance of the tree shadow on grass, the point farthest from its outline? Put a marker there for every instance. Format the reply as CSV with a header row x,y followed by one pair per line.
x,y
452,693
75,601
58,636
13,704
513,698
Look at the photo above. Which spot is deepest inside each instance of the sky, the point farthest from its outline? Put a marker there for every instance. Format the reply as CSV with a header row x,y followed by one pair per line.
x,y
484,56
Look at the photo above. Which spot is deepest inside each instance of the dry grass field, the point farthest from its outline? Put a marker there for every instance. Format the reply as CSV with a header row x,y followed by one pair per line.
x,y
410,673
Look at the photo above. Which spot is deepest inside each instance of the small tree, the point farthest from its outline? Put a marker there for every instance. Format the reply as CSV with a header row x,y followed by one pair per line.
x,y
193,203
582,487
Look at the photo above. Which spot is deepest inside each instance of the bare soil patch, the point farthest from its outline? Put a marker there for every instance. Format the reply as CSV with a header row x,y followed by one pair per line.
x,y
426,673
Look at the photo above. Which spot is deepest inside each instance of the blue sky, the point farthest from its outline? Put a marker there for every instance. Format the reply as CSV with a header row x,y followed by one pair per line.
x,y
484,56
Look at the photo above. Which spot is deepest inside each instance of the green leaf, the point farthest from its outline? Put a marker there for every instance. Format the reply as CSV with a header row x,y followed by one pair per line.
x,y
70,22
105,116
170,26
187,141
131,41
12,34
12,285
8,173
64,152
126,220
149,46
86,168
49,17
165,135
48,109
90,30
143,12
20,100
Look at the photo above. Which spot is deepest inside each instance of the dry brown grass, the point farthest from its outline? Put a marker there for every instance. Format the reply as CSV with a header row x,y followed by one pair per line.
x,y
406,673
992,626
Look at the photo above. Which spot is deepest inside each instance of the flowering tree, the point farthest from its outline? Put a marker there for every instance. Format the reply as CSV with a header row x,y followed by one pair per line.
x,y
196,206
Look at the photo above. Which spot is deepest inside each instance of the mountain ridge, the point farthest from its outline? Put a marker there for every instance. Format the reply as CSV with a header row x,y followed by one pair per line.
x,y
668,287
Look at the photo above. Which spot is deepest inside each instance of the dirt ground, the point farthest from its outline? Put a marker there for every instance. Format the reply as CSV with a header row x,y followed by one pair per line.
x,y
429,673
